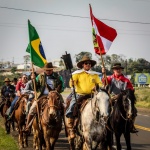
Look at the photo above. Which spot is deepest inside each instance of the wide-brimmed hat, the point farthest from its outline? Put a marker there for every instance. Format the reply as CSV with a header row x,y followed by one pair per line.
x,y
49,66
117,65
7,80
84,59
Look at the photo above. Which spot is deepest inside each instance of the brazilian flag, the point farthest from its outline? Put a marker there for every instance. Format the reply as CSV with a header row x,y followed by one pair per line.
x,y
35,47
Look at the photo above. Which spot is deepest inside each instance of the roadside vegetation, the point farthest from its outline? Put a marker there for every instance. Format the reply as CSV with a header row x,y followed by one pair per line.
x,y
143,97
7,142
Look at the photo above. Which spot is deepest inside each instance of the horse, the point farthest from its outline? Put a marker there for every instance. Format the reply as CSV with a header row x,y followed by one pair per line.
x,y
19,116
91,128
50,121
120,118
5,106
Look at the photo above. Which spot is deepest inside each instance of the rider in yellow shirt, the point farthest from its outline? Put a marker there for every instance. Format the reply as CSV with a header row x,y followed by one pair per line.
x,y
84,80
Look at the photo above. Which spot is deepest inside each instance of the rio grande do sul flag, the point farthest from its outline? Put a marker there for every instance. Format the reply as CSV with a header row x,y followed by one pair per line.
x,y
103,35
35,47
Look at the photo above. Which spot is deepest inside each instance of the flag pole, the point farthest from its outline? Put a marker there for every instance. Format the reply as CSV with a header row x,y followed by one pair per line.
x,y
34,84
91,14
103,65
35,93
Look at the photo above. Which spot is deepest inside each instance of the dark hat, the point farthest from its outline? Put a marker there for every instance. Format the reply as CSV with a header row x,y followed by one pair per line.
x,y
7,80
49,66
15,79
117,65
84,59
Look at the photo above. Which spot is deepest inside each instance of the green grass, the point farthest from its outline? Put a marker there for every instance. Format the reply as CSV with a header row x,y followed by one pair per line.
x,y
143,97
7,142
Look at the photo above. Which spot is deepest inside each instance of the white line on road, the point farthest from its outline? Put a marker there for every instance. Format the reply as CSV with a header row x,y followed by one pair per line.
x,y
144,115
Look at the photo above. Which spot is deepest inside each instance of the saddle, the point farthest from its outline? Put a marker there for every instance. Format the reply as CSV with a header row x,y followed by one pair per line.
x,y
42,101
80,104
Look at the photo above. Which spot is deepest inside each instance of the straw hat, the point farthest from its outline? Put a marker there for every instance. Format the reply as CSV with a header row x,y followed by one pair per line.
x,y
49,66
84,59
7,80
117,65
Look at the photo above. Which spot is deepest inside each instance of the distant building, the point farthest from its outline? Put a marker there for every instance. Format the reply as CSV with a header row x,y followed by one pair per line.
x,y
23,67
5,65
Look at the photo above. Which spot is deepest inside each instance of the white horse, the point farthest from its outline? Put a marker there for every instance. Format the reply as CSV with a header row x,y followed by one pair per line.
x,y
93,121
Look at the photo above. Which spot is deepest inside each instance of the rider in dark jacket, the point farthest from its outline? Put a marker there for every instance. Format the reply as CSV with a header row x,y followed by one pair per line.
x,y
6,90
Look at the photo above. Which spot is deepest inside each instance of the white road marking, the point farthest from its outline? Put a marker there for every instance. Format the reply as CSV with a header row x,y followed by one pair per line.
x,y
143,115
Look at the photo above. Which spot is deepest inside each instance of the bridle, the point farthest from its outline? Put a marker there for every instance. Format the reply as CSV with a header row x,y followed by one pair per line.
x,y
53,105
125,98
99,118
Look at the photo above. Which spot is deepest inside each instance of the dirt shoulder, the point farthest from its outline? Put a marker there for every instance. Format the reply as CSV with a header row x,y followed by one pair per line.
x,y
144,110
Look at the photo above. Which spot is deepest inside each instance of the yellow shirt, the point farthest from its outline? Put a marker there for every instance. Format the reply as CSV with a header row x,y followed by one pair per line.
x,y
85,82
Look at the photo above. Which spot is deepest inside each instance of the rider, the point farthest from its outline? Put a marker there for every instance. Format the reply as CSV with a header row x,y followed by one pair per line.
x,y
19,89
29,89
118,82
47,81
14,82
6,90
84,81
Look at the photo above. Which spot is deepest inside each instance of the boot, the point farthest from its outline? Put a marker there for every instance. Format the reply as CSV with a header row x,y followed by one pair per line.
x,y
70,124
133,129
28,123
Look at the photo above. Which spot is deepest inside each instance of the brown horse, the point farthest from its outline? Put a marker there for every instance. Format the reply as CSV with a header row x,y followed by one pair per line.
x,y
51,121
6,104
19,117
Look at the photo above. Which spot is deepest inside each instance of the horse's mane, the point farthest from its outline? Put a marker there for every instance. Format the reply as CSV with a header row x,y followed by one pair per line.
x,y
104,90
131,95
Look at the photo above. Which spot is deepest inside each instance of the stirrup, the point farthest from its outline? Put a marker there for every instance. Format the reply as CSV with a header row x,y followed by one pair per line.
x,y
9,118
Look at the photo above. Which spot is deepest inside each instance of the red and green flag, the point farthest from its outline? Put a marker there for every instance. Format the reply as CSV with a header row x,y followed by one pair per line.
x,y
35,47
103,35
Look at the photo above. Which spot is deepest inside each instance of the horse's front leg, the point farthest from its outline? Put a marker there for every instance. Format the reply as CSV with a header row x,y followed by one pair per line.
x,y
117,136
20,138
88,141
46,138
52,142
127,138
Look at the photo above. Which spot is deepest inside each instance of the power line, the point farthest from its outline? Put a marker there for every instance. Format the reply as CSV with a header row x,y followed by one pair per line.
x,y
41,12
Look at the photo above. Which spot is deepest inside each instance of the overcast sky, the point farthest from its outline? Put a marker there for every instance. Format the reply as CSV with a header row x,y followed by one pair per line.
x,y
65,25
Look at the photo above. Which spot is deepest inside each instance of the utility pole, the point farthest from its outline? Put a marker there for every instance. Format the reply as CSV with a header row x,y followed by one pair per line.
x,y
126,66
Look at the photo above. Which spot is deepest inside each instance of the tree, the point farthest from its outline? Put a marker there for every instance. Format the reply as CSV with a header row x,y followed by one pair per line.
x,y
13,70
80,55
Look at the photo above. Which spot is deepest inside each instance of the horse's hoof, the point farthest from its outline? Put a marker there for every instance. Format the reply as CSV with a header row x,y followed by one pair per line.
x,y
25,145
20,147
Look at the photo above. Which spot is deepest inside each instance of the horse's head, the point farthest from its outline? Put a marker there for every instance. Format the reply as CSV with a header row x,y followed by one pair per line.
x,y
102,104
127,102
54,104
23,102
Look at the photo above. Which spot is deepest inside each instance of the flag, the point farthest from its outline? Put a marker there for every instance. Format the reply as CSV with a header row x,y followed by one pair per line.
x,y
35,47
103,35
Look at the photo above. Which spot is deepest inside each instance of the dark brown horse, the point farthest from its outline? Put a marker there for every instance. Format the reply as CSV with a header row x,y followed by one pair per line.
x,y
19,117
5,105
120,118
51,121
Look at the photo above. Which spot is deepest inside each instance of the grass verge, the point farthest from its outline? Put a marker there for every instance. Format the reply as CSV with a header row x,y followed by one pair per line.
x,y
143,97
7,142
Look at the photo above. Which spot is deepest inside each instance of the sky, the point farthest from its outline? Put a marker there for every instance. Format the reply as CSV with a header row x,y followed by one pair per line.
x,y
65,25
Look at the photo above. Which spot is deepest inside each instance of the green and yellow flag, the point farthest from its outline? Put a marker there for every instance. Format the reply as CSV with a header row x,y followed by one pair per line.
x,y
35,47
